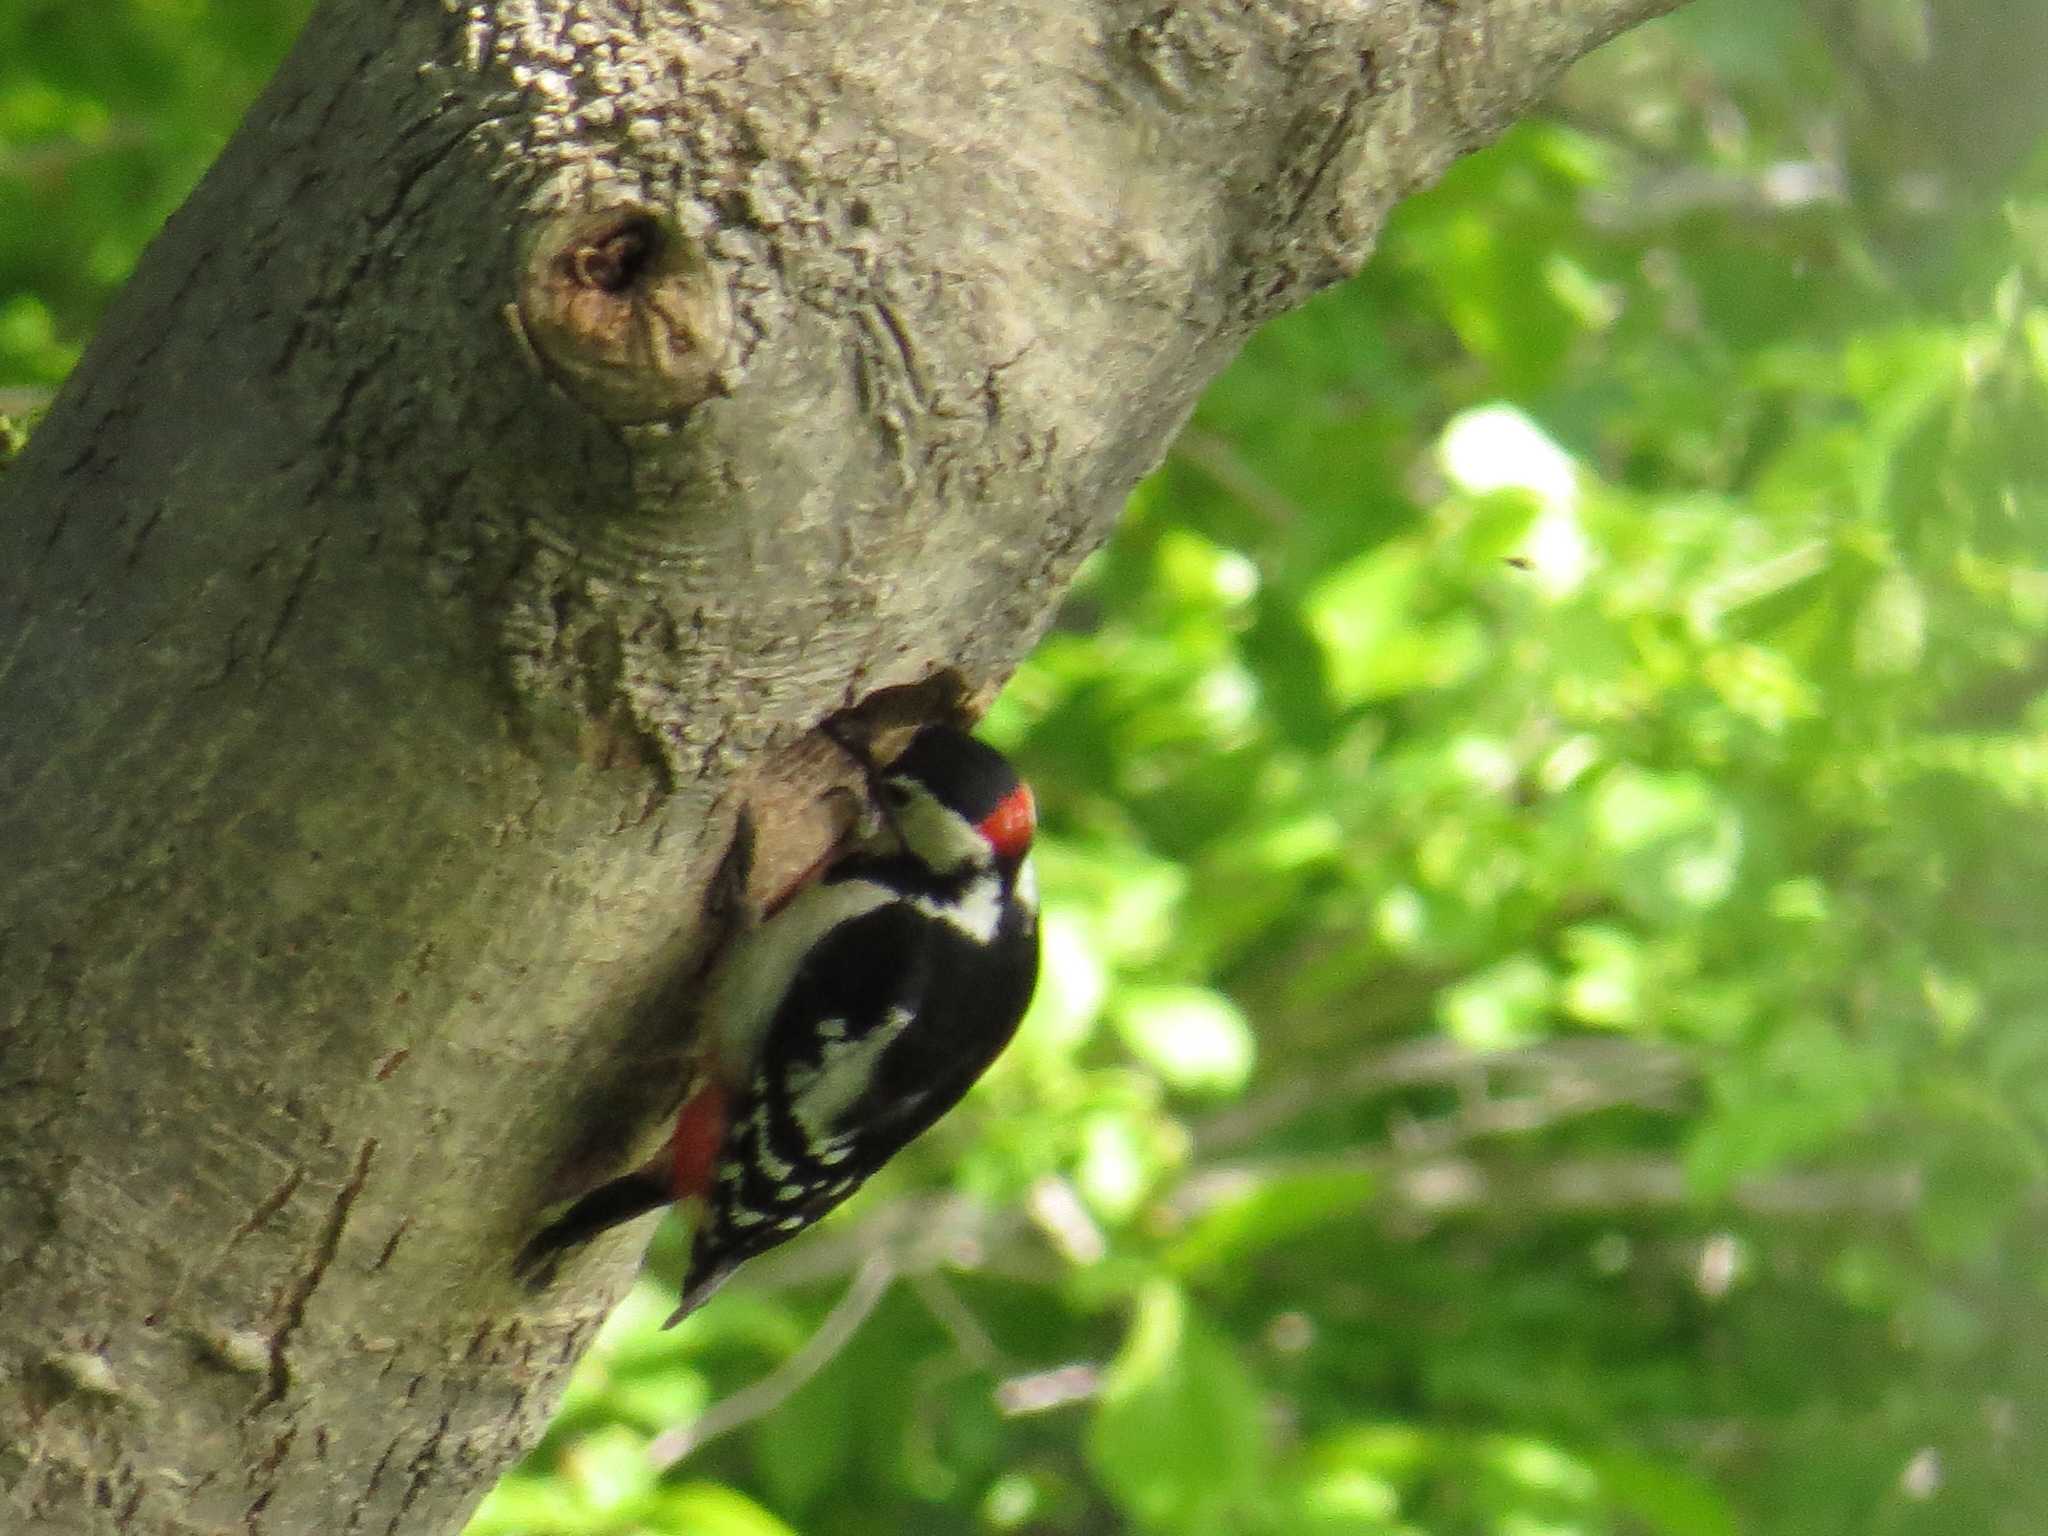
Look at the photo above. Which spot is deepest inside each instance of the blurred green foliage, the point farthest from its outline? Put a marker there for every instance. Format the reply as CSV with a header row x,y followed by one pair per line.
x,y
1544,1032
108,114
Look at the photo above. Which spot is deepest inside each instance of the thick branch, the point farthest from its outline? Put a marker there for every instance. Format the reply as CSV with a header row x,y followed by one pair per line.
x,y
541,418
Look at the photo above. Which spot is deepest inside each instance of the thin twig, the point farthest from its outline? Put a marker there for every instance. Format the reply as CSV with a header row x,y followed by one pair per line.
x,y
869,1283
1043,1391
1216,458
973,1341
1650,1070
1426,1189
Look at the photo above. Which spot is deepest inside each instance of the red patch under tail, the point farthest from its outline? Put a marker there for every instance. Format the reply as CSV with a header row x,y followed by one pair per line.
x,y
700,1132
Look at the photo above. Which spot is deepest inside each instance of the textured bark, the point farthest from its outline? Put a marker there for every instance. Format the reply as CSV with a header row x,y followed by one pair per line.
x,y
538,421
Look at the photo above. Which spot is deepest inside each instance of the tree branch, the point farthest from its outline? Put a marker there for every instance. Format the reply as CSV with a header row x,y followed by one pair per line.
x,y
541,418
870,1282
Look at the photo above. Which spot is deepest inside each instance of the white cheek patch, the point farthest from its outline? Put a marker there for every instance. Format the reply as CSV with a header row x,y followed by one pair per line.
x,y
978,911
940,837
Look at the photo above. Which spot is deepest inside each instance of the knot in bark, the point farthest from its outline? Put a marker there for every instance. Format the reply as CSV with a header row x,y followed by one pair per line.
x,y
622,310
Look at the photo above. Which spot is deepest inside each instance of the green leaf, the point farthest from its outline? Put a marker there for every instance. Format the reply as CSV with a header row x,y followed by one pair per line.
x,y
1358,612
1072,985
1605,985
1118,1163
706,1509
1504,1005
609,1468
529,1504
1676,847
1274,1210
1345,1502
1177,1437
1196,1039
1890,635
1668,1500
804,1447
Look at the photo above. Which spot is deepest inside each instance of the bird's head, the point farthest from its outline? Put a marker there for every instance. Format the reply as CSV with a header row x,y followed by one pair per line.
x,y
956,802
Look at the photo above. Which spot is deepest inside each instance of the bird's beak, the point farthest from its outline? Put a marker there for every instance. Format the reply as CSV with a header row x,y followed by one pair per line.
x,y
856,746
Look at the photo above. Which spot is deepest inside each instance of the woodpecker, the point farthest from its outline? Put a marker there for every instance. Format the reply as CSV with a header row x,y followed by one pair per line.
x,y
850,1019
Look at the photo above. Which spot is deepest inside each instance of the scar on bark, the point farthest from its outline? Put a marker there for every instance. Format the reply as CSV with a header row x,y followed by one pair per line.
x,y
269,1206
325,1245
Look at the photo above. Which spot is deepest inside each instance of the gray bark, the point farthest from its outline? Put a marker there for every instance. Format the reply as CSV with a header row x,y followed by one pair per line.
x,y
543,415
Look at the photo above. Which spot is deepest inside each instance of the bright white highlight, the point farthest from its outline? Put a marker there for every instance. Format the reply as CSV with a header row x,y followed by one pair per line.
x,y
1497,448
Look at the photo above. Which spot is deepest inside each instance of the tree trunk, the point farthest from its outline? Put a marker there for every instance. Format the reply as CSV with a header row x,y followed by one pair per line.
x,y
539,420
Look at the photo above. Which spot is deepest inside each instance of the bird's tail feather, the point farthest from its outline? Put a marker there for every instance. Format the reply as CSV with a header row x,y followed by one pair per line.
x,y
697,1289
608,1205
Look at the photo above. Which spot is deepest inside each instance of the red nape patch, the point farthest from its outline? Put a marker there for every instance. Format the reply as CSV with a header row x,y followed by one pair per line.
x,y
1009,826
700,1132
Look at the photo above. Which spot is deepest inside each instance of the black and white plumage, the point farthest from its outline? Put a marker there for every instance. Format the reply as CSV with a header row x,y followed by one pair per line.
x,y
847,1023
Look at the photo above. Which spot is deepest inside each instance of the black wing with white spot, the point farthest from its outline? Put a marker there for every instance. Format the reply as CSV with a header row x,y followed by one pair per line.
x,y
887,1024
788,1156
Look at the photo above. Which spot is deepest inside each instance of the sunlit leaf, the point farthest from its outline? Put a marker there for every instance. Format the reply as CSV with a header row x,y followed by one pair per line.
x,y
1177,1436
523,1504
1272,1209
1502,1006
706,1509
609,1468
1196,1038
